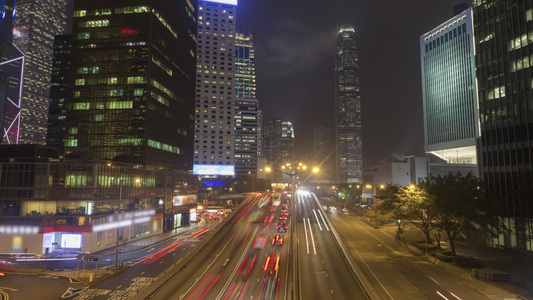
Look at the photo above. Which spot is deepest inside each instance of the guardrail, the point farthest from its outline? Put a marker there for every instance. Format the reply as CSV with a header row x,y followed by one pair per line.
x,y
166,276
356,271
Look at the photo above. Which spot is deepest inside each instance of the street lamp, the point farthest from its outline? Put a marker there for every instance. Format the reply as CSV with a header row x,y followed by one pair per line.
x,y
293,172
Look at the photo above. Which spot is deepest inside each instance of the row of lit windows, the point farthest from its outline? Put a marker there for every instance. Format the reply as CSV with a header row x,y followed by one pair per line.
x,y
110,80
162,65
521,41
163,146
101,105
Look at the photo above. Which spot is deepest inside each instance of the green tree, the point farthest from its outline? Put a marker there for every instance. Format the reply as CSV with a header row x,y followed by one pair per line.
x,y
409,204
458,203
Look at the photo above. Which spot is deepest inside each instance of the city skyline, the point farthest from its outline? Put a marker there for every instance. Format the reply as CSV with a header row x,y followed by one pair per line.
x,y
295,58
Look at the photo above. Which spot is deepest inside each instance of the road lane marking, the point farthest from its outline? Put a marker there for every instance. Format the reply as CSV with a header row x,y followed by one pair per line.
x,y
306,240
322,216
441,295
311,234
454,295
317,221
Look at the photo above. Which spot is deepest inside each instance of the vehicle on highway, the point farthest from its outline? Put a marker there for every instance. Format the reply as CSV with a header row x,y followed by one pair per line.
x,y
283,216
284,210
277,240
344,209
276,201
259,242
332,208
282,227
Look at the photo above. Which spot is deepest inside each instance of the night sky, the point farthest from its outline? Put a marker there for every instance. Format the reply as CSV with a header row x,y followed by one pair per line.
x,y
295,66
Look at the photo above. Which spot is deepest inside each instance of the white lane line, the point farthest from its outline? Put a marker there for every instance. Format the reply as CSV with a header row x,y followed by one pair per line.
x,y
442,295
322,216
311,234
454,295
306,240
317,221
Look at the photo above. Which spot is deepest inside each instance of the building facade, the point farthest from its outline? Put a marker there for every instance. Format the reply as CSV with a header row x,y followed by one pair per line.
x,y
36,25
131,82
58,92
7,14
246,108
214,133
449,90
44,200
348,108
504,63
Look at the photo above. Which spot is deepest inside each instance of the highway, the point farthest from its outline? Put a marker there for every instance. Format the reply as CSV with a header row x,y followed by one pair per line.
x,y
322,270
395,273
238,263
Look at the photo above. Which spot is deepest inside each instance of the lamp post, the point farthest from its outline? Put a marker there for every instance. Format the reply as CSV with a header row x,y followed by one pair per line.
x,y
292,172
117,221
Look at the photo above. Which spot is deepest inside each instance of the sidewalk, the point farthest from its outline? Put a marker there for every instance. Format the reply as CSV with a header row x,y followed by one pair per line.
x,y
516,266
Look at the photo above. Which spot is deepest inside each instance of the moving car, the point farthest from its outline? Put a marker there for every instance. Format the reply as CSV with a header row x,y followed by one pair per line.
x,y
277,240
282,227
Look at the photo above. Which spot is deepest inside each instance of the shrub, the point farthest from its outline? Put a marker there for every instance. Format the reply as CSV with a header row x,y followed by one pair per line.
x,y
443,257
422,246
468,262
446,252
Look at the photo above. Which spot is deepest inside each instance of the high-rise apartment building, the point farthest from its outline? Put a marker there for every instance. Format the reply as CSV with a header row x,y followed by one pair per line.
x,y
504,63
58,92
36,24
246,107
214,133
449,91
131,82
348,108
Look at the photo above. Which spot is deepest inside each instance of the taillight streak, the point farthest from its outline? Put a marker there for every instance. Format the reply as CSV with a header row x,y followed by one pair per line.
x,y
150,257
199,287
247,235
250,268
242,265
208,288
236,236
266,264
164,253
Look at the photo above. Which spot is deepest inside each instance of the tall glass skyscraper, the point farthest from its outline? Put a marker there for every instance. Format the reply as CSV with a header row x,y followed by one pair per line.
x,y
131,82
504,62
36,24
214,133
348,108
449,92
246,107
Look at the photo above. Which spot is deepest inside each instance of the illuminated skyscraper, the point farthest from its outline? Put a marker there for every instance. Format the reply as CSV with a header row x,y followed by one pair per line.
x,y
449,91
131,82
214,136
246,108
7,11
36,24
324,152
504,67
348,108
58,92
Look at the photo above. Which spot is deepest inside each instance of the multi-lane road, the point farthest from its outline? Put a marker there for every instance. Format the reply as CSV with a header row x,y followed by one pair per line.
x,y
322,269
395,273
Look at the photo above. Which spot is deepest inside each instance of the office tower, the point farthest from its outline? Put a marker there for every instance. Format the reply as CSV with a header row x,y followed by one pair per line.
x,y
245,85
214,136
246,135
288,151
7,11
348,108
131,82
504,66
58,92
324,152
246,107
36,24
449,91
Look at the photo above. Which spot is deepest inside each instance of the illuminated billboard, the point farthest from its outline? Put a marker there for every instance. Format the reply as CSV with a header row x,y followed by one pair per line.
x,y
71,240
232,2
213,170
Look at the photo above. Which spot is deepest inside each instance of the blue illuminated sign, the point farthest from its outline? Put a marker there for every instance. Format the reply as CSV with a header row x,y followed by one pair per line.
x,y
213,170
232,2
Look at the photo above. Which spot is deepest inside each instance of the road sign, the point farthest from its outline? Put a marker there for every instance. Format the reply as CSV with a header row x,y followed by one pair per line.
x,y
78,257
90,258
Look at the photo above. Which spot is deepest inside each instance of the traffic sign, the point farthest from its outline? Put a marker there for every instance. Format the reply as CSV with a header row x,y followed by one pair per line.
x,y
78,257
90,258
